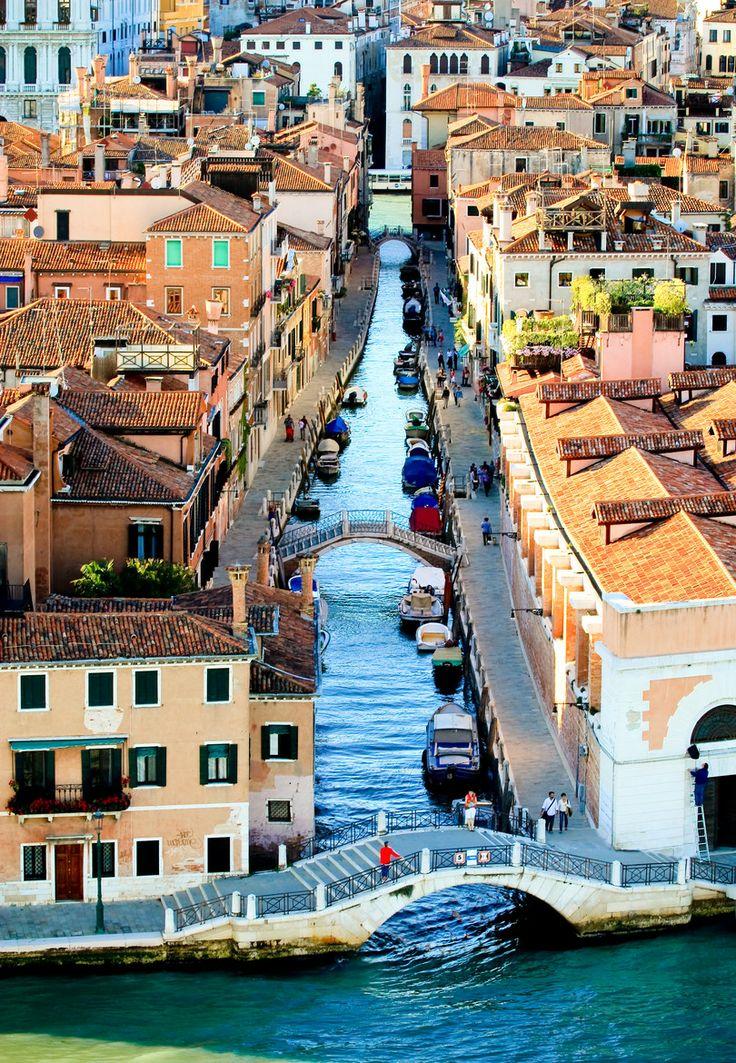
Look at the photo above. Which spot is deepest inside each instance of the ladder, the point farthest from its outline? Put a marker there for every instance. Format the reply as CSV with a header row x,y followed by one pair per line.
x,y
701,832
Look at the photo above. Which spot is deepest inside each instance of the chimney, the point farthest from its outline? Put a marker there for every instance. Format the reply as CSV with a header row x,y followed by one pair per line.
x,y
425,80
675,212
42,462
257,202
604,241
98,65
191,79
307,27
45,150
99,163
28,286
216,50
313,153
81,72
532,203
307,566
170,82
213,309
263,562
346,163
238,574
3,175
359,107
328,173
505,221
133,68
629,153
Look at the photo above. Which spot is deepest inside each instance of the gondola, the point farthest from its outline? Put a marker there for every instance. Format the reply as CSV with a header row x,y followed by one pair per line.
x,y
339,430
354,397
306,508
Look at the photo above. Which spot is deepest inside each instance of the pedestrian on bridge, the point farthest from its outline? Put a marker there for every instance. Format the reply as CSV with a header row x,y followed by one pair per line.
x,y
471,809
549,811
385,856
565,809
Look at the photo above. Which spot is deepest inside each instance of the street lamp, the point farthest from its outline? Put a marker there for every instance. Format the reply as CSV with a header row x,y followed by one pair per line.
x,y
98,817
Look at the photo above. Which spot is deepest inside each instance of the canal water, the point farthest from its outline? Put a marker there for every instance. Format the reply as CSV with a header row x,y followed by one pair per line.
x,y
472,974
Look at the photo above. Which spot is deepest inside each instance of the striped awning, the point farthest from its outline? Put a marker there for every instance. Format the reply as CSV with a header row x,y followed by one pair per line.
x,y
30,745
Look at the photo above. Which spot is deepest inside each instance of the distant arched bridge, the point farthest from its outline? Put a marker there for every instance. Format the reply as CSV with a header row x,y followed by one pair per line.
x,y
350,525
406,236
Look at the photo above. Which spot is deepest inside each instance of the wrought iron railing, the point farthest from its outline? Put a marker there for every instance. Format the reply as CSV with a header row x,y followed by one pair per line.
x,y
566,863
348,834
285,903
662,874
712,871
485,856
203,912
15,597
357,522
420,820
345,889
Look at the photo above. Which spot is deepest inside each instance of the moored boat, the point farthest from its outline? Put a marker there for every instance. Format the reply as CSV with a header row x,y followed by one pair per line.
x,y
447,661
416,425
426,520
355,397
418,607
452,752
407,382
339,430
404,363
425,577
306,508
418,447
327,465
431,637
418,471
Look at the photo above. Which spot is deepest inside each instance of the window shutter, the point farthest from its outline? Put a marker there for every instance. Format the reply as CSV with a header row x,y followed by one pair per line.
x,y
20,768
132,763
161,765
132,540
294,742
232,763
86,770
116,766
265,742
203,758
49,769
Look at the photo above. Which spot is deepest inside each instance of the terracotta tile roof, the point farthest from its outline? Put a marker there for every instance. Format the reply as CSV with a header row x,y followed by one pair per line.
x,y
448,35
87,636
125,411
727,15
702,379
725,427
50,256
539,69
722,295
585,390
15,466
562,102
10,395
578,367
663,198
428,159
466,95
49,333
300,240
293,176
122,88
702,412
606,446
321,21
632,511
529,138
196,218
724,242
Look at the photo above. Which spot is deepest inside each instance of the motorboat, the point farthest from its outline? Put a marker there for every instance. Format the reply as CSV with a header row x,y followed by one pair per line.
x,y
355,397
431,637
328,446
418,447
407,382
306,508
413,307
418,471
416,425
424,498
405,363
339,430
327,464
409,272
426,520
447,661
419,607
452,752
424,577
320,605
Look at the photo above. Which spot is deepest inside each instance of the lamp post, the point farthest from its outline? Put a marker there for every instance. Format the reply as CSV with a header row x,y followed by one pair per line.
x,y
98,817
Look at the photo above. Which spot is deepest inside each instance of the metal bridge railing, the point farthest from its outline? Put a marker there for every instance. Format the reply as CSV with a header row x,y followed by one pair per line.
x,y
711,871
355,523
566,864
664,874
336,839
344,889
203,912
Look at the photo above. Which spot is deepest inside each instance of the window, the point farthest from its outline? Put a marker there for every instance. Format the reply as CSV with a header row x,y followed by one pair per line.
x,y
250,46
432,208
174,300
146,687
337,70
62,224
64,62
642,271
259,99
147,857
35,772
217,685
718,273
712,36
521,164
221,254
338,46
721,127
30,108
453,64
708,63
279,741
218,855
62,291
147,765
407,97
279,811
434,180
485,64
12,296
717,725
722,64
723,189
280,46
406,68
726,36
146,539
218,762
521,280
34,863
296,46
222,295
174,258
33,692
473,211
107,863
406,129
719,323
560,126
30,12
564,280
30,66
444,65
100,690
433,64
102,771
718,360
632,93
558,68
463,63
113,293
597,274
688,274
3,66
318,46
265,46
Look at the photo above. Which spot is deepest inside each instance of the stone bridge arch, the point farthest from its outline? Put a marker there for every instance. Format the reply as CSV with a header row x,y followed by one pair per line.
x,y
397,233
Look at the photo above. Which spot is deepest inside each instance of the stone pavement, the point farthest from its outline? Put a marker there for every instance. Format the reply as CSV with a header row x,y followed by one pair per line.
x,y
532,751
72,919
277,465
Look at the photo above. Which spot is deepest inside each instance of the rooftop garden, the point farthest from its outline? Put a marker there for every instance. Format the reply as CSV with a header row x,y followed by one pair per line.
x,y
619,297
549,333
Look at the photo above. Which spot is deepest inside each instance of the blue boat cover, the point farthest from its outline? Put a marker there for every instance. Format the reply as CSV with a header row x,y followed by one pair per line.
x,y
410,378
336,426
419,471
425,502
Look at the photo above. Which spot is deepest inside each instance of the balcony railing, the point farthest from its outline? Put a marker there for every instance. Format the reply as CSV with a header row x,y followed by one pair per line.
x,y
669,322
257,356
15,597
43,801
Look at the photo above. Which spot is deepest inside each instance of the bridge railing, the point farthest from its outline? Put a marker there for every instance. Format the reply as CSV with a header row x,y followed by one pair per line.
x,y
444,859
566,863
348,834
344,889
203,912
712,871
285,903
357,522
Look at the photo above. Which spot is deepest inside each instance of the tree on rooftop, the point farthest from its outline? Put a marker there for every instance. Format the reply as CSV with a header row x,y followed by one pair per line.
x,y
98,579
152,577
539,332
670,297
314,92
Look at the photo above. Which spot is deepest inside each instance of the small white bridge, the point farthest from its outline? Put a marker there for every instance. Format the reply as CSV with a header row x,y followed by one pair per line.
x,y
396,232
373,525
335,897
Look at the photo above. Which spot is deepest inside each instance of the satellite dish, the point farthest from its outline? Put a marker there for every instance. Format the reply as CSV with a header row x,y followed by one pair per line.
x,y
156,182
136,80
37,231
677,152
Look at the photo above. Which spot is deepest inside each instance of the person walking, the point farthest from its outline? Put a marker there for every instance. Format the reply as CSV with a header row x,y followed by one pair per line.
x,y
454,361
436,294
385,856
441,360
471,809
302,426
700,775
549,811
565,810
453,378
485,478
485,527
440,338
457,393
449,357
289,428
466,376
433,335
473,480
446,396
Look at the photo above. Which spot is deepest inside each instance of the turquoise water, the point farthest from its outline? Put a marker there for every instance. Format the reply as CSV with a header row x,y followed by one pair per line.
x,y
472,974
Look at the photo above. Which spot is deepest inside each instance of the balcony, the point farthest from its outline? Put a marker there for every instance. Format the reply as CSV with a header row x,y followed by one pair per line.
x,y
68,798
260,415
257,356
15,597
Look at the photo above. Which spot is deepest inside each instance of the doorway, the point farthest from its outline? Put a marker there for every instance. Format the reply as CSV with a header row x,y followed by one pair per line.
x,y
719,807
68,867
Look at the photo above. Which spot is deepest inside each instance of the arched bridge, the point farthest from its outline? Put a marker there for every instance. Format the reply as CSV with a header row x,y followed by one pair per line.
x,y
335,897
350,525
396,232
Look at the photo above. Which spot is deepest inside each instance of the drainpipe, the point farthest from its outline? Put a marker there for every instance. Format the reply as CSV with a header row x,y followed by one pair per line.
x,y
552,263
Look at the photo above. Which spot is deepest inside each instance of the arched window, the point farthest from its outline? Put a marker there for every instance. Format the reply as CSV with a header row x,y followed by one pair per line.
x,y
453,64
718,358
407,64
485,64
30,66
708,63
406,129
432,88
3,67
443,64
338,70
718,725
407,97
65,66
433,64
463,63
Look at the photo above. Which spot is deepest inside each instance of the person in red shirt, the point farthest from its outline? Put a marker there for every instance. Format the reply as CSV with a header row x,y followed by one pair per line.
x,y
385,856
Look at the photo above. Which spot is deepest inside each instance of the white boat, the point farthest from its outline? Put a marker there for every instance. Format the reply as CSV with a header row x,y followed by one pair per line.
x,y
426,578
417,607
327,465
295,586
431,637
355,397
328,446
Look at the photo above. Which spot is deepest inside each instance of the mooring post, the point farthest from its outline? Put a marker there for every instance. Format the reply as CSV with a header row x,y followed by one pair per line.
x,y
382,824
615,872
235,903
251,907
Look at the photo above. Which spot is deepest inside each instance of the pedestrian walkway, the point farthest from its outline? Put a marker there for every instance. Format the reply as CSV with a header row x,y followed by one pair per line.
x,y
277,464
536,761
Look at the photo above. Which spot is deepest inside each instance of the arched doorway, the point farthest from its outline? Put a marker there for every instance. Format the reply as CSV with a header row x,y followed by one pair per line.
x,y
718,359
715,734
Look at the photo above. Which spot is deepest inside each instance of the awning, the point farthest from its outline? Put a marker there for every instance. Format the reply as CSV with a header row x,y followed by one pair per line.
x,y
464,351
25,745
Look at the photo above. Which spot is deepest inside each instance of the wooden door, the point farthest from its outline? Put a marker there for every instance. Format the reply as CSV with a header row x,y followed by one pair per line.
x,y
68,865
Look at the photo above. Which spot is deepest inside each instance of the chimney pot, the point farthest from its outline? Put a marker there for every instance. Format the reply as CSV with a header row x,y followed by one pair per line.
x,y
238,575
263,562
307,566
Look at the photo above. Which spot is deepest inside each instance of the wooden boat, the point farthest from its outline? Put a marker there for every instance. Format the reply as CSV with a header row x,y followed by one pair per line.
x,y
432,637
424,577
418,447
418,471
447,661
327,465
413,308
418,607
339,430
452,752
306,508
407,382
328,446
416,425
409,273
406,363
426,521
355,397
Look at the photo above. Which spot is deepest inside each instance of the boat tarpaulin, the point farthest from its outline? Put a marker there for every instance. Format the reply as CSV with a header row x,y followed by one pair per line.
x,y
427,521
424,501
337,425
419,471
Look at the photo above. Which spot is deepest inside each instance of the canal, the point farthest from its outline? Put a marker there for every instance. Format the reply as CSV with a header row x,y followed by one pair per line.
x,y
475,973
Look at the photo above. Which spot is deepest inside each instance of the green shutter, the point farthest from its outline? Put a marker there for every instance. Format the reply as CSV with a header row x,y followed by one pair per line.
x,y
33,692
116,766
232,763
203,758
100,689
294,743
132,765
173,253
161,765
86,769
265,742
49,769
218,684
221,253
20,768
146,687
